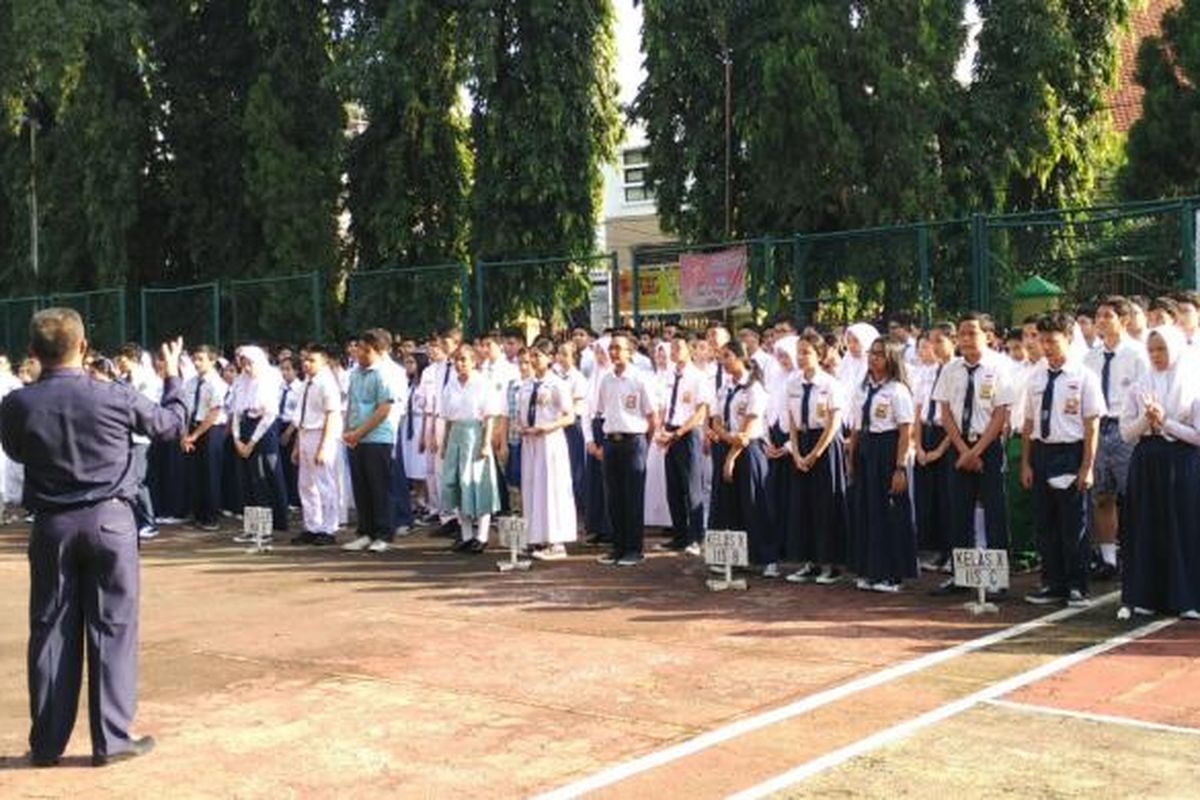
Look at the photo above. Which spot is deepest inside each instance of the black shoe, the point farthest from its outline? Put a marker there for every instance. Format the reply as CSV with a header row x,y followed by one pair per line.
x,y
670,546
1103,571
475,547
304,538
137,747
448,530
41,762
597,539
1045,596
460,545
322,540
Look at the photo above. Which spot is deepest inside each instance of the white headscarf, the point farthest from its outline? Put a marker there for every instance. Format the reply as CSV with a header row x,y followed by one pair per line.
x,y
853,369
1175,387
263,389
777,377
599,370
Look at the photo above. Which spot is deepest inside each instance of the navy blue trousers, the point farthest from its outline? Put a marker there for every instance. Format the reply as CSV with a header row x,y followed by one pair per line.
x,y
986,488
685,488
83,569
371,480
401,495
577,452
204,465
933,495
1060,516
625,487
742,505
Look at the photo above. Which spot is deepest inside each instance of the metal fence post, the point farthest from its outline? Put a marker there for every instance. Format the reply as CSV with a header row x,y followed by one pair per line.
x,y
122,312
614,287
216,312
233,310
315,278
978,261
464,283
479,324
926,291
799,290
142,308
1190,263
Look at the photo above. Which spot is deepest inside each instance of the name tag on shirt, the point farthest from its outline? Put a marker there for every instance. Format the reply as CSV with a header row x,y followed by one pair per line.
x,y
881,410
687,397
987,387
631,402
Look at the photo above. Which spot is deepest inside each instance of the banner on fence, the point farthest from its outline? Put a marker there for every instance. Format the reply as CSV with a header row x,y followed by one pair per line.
x,y
696,282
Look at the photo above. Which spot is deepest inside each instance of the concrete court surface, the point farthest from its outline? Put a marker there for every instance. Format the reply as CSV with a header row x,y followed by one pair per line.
x,y
316,673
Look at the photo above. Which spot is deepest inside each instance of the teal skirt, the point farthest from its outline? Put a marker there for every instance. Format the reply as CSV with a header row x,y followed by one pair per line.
x,y
468,482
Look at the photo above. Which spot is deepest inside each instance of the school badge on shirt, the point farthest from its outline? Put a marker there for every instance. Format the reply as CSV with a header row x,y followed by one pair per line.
x,y
1071,404
631,402
987,387
881,410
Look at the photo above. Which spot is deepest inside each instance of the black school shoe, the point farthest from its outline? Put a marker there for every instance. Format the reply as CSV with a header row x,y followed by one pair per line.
x,y
448,530
137,747
1045,596
322,540
304,538
475,547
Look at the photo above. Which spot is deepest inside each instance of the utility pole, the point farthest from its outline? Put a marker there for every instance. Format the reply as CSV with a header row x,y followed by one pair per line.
x,y
728,58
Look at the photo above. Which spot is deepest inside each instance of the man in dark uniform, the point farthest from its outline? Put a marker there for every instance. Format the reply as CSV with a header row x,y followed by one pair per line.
x,y
72,433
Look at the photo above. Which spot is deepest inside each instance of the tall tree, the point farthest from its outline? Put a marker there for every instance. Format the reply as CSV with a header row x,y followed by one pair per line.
x,y
1163,160
544,122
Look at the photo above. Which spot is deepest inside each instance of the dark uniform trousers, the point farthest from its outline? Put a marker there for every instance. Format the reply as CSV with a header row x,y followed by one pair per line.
x,y
401,494
625,488
985,487
1060,516
685,487
143,504
206,462
371,481
83,577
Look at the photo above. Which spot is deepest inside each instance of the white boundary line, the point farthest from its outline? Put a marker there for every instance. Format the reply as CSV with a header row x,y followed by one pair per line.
x,y
1090,717
658,758
908,727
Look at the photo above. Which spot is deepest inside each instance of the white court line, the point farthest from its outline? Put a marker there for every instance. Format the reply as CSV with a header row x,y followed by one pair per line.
x,y
1090,717
658,758
896,732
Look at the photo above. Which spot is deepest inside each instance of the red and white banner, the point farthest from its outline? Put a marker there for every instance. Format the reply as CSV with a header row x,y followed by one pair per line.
x,y
713,281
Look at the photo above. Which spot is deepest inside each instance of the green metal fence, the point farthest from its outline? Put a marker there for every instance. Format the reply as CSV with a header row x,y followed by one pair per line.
x,y
193,312
275,310
576,290
104,313
411,301
15,313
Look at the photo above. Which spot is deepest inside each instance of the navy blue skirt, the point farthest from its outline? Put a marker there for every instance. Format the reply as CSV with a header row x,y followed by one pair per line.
x,y
262,477
818,515
1161,533
779,478
577,452
883,542
168,480
742,504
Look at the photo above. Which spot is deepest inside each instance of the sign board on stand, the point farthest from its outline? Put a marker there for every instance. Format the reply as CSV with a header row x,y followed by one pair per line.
x,y
514,534
984,570
258,524
724,550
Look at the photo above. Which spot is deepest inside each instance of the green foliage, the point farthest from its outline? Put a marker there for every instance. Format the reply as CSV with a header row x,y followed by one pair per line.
x,y
544,121
1163,160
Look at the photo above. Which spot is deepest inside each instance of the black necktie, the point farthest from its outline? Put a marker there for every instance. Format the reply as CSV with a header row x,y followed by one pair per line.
x,y
968,408
674,397
732,393
718,381
283,398
1104,374
408,423
1048,402
531,415
196,400
446,377
866,409
932,412
804,406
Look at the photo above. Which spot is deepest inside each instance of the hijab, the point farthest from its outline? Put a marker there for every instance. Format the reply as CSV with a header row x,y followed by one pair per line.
x,y
853,369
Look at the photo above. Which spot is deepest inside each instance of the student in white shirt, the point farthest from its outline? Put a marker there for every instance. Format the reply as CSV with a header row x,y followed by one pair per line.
x,y
1119,362
883,549
256,439
544,411
934,459
131,371
577,388
1161,552
205,440
469,406
598,523
318,438
688,400
1062,414
290,399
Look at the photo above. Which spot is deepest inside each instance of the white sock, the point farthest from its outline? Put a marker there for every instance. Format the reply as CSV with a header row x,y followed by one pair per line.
x,y
980,527
465,524
1108,552
485,524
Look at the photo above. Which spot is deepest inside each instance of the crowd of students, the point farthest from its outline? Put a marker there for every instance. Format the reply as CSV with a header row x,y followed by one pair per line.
x,y
846,455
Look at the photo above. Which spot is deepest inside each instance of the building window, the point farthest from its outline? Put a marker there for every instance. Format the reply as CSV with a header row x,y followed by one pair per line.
x,y
634,162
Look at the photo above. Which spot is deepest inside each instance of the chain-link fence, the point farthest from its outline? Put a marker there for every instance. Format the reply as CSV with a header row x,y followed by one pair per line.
x,y
104,313
277,310
410,301
554,292
690,284
193,312
15,313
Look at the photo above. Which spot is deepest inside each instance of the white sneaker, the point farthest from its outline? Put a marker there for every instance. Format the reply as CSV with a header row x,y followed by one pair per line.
x,y
378,546
1123,613
358,545
148,532
1143,612
828,577
1077,599
1191,613
887,587
248,538
402,531
802,575
555,552
771,570
863,584
692,549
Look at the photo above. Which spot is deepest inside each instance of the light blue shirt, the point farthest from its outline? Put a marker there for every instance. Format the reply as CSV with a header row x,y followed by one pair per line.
x,y
368,388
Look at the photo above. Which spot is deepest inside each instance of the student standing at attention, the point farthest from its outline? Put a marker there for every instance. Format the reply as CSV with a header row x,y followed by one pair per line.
x,y
371,438
545,409
318,434
204,443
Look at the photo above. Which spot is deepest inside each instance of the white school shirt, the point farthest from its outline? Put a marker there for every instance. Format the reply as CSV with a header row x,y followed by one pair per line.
x,y
1129,363
925,378
396,380
291,401
692,392
827,394
763,359
576,386
1021,374
1077,396
552,402
476,400
146,383
626,401
317,397
500,374
745,400
212,393
994,390
891,407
